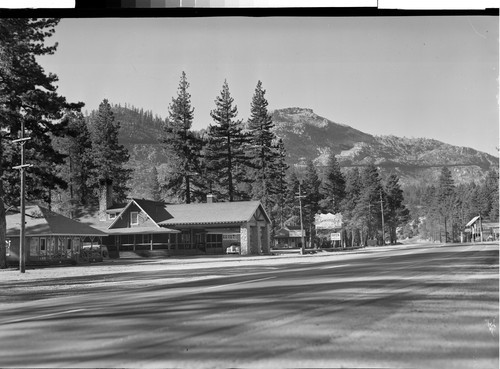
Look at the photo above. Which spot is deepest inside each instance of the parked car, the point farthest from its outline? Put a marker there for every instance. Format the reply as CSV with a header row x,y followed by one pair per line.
x,y
233,249
90,252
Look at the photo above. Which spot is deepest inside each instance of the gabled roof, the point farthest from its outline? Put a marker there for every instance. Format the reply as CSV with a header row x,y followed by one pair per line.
x,y
42,222
154,209
473,220
213,213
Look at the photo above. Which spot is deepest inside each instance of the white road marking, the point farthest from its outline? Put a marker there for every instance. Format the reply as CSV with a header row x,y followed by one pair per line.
x,y
42,316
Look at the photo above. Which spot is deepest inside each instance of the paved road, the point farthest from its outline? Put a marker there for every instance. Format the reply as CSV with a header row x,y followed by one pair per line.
x,y
424,306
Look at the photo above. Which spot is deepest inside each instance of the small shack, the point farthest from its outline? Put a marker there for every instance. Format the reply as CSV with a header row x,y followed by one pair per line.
x,y
479,230
50,238
289,238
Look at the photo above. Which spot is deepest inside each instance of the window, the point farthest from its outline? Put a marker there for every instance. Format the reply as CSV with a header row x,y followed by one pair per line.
x,y
43,244
214,240
112,216
69,243
134,218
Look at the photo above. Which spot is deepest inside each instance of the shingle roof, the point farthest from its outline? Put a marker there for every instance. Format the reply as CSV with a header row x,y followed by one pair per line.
x,y
41,221
157,211
212,213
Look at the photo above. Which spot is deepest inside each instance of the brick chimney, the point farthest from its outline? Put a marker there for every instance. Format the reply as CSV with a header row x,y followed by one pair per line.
x,y
211,198
105,198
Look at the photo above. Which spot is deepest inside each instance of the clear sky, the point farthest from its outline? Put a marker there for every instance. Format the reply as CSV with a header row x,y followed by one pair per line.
x,y
434,77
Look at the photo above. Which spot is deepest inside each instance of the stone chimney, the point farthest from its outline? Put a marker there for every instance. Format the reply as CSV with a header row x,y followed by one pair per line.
x,y
105,198
211,198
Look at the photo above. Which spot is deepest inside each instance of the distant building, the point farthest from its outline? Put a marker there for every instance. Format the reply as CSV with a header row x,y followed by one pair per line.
x,y
479,229
289,238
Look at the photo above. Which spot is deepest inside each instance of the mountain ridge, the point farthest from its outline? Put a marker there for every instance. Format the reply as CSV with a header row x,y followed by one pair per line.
x,y
307,135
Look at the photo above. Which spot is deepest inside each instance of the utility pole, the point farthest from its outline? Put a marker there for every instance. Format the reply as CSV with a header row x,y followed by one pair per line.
x,y
382,212
300,196
22,247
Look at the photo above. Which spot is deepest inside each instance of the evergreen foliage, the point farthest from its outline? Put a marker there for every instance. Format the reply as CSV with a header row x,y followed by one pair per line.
x,y
27,94
77,147
351,220
333,188
154,186
291,209
225,155
312,199
396,213
264,150
183,147
280,178
107,155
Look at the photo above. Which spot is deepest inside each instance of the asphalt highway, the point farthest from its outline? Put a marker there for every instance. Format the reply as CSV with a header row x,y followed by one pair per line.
x,y
424,306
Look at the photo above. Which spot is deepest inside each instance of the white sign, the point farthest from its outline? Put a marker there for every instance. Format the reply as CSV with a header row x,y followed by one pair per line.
x,y
328,221
335,236
295,233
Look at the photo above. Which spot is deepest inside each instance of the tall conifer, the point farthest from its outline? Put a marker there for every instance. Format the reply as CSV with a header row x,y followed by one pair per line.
x,y
225,151
108,156
28,94
264,149
182,146
333,188
446,199
396,212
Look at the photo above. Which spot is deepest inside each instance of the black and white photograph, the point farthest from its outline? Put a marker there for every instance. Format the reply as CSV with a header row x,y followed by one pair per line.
x,y
222,187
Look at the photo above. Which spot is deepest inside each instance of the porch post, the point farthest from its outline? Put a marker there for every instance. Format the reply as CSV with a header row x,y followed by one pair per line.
x,y
259,239
245,239
151,241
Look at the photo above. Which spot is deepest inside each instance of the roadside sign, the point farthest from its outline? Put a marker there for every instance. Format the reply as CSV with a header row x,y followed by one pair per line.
x,y
297,233
335,236
328,221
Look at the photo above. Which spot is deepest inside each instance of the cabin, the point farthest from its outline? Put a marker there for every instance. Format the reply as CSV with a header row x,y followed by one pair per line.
x,y
184,229
289,238
478,229
50,238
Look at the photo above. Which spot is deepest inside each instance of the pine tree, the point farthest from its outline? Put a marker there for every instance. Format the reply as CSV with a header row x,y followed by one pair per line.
x,y
348,206
396,212
491,191
27,94
312,199
107,155
264,149
291,211
76,146
225,152
154,186
182,146
333,188
446,198
368,207
279,177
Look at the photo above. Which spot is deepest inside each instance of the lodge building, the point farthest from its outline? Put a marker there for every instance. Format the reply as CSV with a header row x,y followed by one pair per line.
x,y
184,229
